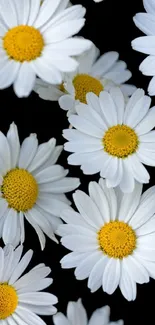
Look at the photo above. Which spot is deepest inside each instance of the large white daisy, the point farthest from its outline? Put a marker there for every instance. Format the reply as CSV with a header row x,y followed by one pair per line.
x,y
32,186
112,238
94,74
20,296
36,40
113,138
76,315
145,44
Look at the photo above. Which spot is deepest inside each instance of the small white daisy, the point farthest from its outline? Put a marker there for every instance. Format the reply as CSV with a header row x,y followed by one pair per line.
x,y
112,238
113,138
20,296
145,44
37,40
76,315
93,75
32,186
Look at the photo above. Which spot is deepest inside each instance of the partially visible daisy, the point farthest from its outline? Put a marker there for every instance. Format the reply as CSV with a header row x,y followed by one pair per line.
x,y
112,238
20,296
76,315
145,44
93,75
113,138
32,186
36,39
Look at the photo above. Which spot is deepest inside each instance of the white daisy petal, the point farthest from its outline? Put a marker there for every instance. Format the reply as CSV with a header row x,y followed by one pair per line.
x,y
60,319
151,87
22,11
25,80
108,108
145,210
21,267
79,243
22,227
85,126
87,208
137,95
148,137
139,112
149,6
24,315
127,284
14,144
147,67
76,313
96,274
43,153
138,272
40,310
147,123
47,73
28,151
46,12
34,9
99,315
74,218
118,99
66,102
111,198
50,174
139,172
111,275
85,267
10,226
127,183
8,13
3,207
147,228
129,203
5,151
72,259
2,263
98,196
144,44
104,63
145,22
37,298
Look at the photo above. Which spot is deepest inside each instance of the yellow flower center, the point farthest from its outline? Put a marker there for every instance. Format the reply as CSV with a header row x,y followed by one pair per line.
x,y
117,239
83,84
120,141
8,300
23,43
20,189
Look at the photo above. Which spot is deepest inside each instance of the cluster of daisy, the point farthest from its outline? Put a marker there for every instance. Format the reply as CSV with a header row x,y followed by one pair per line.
x,y
112,236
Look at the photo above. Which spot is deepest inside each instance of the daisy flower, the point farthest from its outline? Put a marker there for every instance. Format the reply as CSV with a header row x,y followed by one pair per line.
x,y
32,186
36,39
113,138
76,314
20,296
145,44
94,74
112,238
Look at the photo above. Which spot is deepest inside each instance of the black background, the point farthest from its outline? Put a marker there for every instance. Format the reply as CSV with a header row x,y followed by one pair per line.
x,y
110,26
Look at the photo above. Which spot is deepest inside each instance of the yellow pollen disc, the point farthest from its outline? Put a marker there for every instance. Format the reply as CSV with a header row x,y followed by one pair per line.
x,y
8,300
20,189
83,84
23,43
117,239
120,141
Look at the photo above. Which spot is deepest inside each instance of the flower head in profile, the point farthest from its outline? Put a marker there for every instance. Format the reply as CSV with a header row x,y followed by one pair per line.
x,y
113,137
21,298
112,238
36,39
76,314
93,74
32,187
145,44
